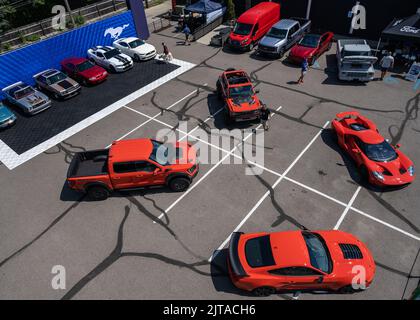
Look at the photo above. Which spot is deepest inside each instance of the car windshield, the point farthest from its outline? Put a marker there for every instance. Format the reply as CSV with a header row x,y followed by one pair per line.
x,y
243,91
258,252
381,152
310,41
164,154
242,29
277,33
24,92
111,53
136,43
57,77
84,66
318,252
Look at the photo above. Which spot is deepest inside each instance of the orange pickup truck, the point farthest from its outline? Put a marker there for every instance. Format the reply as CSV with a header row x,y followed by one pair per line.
x,y
133,164
241,103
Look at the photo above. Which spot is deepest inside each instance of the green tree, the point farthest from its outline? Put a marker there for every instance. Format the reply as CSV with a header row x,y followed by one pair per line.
x,y
5,11
230,10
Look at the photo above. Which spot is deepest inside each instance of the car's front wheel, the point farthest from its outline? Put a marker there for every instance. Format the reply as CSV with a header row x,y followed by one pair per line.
x,y
348,290
112,69
263,291
98,193
179,184
137,58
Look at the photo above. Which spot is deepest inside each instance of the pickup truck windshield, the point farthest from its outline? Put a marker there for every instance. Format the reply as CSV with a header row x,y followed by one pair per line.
x,y
242,29
310,41
277,33
381,152
318,252
165,154
357,53
244,91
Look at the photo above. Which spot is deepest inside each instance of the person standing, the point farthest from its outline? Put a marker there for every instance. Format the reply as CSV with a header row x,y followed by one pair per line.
x,y
304,69
265,117
187,33
167,55
387,62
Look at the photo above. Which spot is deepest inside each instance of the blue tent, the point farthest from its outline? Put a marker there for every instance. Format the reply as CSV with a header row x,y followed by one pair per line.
x,y
204,6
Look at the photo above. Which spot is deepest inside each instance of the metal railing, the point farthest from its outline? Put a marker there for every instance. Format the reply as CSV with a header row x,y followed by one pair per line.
x,y
203,30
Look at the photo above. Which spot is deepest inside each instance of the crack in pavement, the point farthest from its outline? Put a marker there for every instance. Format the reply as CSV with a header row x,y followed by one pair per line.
x,y
66,148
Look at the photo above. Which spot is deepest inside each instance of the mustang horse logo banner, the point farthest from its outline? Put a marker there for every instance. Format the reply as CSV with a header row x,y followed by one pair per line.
x,y
115,32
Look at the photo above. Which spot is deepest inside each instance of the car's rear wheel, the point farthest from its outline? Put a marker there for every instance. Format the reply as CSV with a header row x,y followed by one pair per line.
x,y
218,89
112,69
179,184
98,193
263,291
251,46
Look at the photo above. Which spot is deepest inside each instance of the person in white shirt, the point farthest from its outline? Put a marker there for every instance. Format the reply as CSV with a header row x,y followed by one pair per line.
x,y
386,63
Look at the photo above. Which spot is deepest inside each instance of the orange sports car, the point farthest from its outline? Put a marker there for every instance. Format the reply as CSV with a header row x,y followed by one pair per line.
x,y
264,263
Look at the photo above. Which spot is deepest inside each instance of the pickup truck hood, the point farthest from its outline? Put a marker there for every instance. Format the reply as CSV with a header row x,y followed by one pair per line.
x,y
244,104
272,42
359,59
302,52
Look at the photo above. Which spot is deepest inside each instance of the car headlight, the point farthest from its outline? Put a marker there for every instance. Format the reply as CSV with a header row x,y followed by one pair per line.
x,y
104,73
244,41
378,175
411,171
92,78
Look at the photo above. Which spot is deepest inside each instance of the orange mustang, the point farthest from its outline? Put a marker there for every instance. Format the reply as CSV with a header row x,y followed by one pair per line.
x,y
379,163
264,263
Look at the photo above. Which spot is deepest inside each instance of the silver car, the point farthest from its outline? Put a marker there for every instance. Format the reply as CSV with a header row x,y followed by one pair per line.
x,y
27,98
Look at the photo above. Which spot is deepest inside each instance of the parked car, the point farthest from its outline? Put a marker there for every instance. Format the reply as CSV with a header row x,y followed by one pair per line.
x,y
133,164
283,35
25,97
7,117
110,58
221,37
355,60
416,294
264,263
379,163
311,47
136,48
84,71
57,83
241,103
253,24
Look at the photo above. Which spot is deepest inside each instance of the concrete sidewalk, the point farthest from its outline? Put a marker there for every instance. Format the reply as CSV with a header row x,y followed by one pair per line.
x,y
157,10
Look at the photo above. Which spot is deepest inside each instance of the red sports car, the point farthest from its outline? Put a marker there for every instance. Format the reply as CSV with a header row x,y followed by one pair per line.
x,y
84,71
264,263
311,46
379,162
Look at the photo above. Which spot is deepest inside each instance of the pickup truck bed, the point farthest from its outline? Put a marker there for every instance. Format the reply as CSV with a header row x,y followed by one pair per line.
x,y
90,163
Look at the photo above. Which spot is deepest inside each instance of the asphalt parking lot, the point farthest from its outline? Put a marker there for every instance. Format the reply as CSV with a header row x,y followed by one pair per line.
x,y
154,244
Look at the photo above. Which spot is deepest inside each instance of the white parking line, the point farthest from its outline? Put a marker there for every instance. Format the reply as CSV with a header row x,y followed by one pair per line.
x,y
157,115
268,191
287,178
207,173
346,210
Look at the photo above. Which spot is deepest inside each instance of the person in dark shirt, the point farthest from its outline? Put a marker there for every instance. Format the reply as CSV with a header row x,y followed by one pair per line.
x,y
167,55
265,116
304,69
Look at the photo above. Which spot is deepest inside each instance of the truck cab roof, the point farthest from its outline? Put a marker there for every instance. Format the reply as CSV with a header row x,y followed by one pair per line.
x,y
130,150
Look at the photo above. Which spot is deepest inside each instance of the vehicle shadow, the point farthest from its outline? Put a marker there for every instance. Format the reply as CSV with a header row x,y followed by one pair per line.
x,y
332,74
262,57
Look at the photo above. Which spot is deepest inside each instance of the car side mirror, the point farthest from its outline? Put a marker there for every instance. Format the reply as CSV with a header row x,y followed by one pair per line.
x,y
320,279
156,171
257,90
356,151
397,146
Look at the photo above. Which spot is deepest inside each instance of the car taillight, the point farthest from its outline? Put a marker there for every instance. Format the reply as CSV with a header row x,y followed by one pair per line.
x,y
71,183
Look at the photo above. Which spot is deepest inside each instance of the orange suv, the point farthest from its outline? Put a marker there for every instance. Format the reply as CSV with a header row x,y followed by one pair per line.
x,y
239,96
